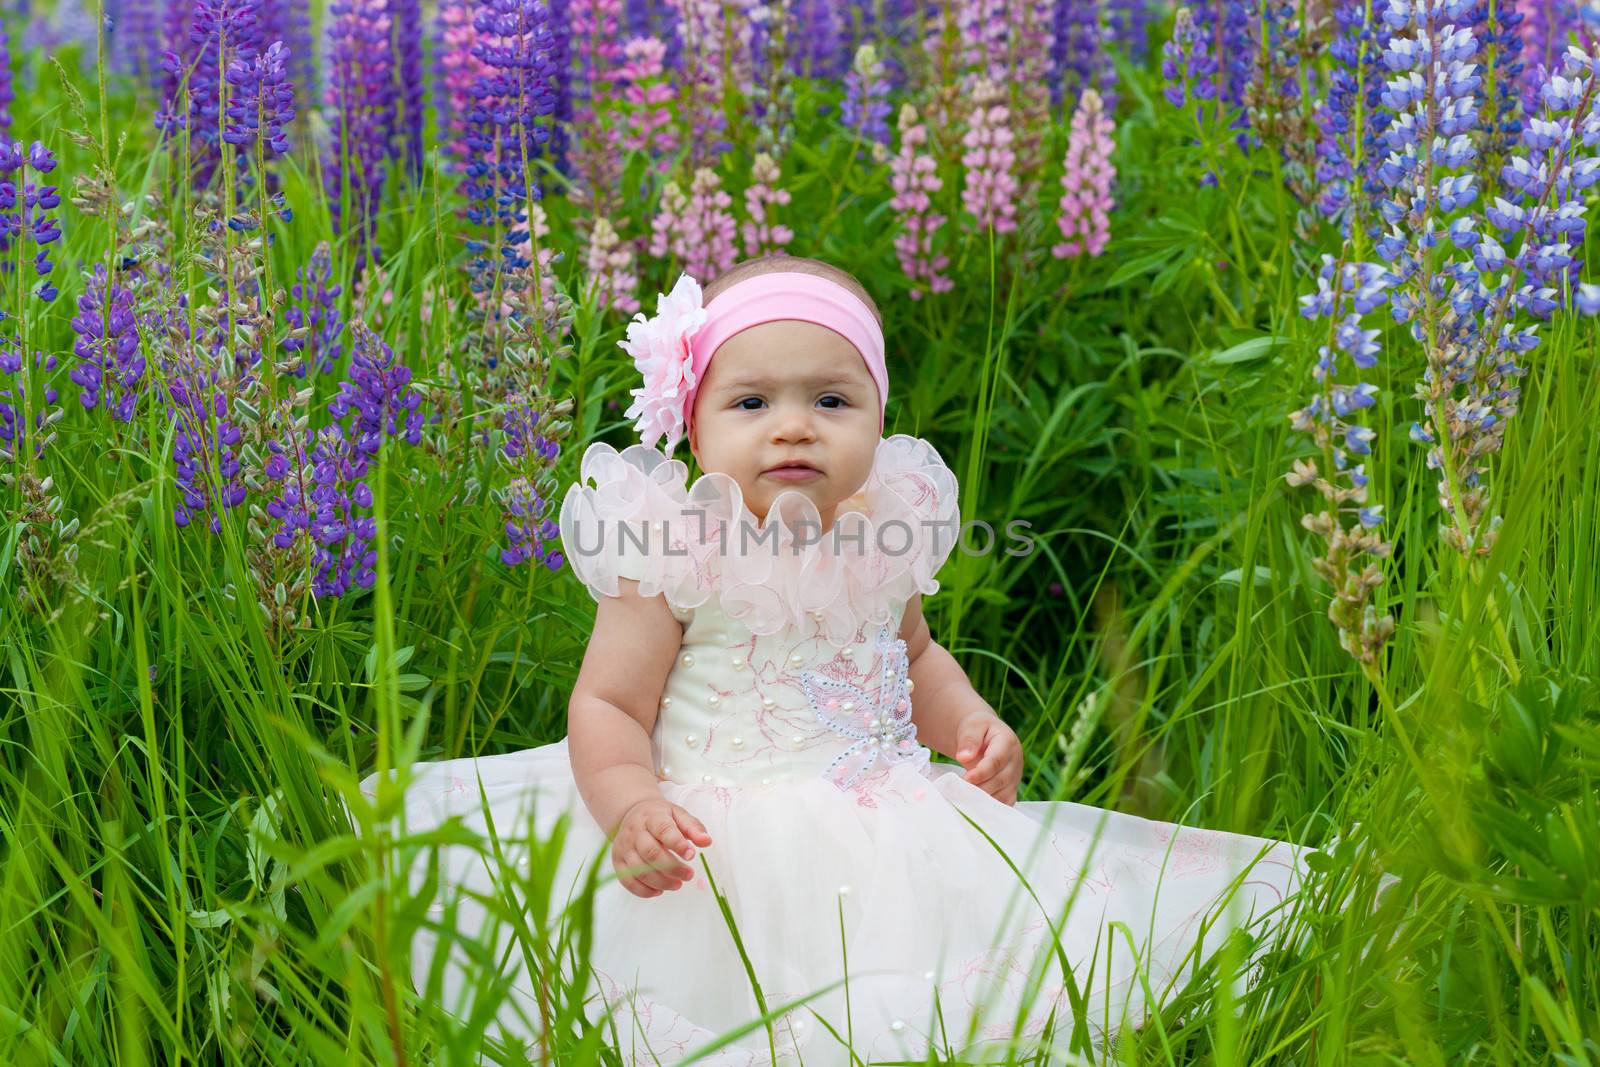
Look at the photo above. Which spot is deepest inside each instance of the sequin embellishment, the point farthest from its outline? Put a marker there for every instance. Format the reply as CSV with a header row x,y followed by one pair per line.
x,y
882,730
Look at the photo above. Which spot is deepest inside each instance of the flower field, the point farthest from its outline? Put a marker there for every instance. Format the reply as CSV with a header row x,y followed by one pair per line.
x,y
1273,321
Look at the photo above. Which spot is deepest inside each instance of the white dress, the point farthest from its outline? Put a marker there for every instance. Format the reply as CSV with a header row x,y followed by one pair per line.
x,y
817,816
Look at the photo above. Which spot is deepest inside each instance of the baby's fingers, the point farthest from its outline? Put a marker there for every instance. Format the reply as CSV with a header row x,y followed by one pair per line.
x,y
691,826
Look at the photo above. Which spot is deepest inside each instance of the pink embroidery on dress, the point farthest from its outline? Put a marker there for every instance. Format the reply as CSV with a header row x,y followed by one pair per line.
x,y
882,729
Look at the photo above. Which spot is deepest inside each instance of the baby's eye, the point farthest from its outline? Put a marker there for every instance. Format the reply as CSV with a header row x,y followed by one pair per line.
x,y
834,396
741,404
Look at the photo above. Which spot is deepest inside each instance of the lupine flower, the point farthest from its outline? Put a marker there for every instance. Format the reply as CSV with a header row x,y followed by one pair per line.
x,y
529,533
1348,85
313,315
820,46
763,234
990,189
223,31
110,368
406,135
361,101
458,69
1086,182
1129,24
866,104
206,435
609,267
1346,292
1188,67
595,163
325,496
647,102
14,402
915,178
6,93
29,218
983,31
1078,44
708,227
716,57
375,396
261,103
508,128
136,41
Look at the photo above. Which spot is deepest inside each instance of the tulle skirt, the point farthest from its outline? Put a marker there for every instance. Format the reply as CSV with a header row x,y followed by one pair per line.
x,y
957,923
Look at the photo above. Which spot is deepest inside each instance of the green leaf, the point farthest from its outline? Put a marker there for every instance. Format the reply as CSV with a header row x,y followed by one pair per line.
x,y
1245,351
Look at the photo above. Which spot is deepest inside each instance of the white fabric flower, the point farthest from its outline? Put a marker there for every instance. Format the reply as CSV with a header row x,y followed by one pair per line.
x,y
660,347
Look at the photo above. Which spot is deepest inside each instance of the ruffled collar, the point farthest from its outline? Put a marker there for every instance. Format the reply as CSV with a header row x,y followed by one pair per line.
x,y
641,519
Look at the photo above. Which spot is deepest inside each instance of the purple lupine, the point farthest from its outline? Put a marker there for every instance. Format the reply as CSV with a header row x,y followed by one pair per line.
x,y
289,21
206,434
1187,65
865,111
508,123
6,93
406,47
1078,47
28,219
223,31
261,103
1128,25
110,370
375,397
1347,89
136,41
314,306
361,99
528,529
325,495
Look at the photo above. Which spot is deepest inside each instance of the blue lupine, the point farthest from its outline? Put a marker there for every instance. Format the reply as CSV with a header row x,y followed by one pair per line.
x,y
406,43
1078,48
7,95
110,370
528,528
508,122
207,434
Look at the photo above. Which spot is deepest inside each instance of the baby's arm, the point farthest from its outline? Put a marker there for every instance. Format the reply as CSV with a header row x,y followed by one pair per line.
x,y
950,716
616,699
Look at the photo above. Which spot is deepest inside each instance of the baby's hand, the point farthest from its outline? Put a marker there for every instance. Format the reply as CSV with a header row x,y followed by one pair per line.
x,y
991,753
649,835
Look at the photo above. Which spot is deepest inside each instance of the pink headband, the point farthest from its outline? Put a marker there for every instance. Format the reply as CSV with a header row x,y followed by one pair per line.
x,y
673,349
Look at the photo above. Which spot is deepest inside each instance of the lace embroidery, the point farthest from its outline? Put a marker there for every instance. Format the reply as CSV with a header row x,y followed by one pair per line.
x,y
882,729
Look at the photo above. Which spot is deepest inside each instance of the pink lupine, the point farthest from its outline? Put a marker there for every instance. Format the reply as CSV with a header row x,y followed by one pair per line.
x,y
763,235
990,191
915,177
695,229
459,70
709,226
985,29
647,101
609,267
667,225
1086,181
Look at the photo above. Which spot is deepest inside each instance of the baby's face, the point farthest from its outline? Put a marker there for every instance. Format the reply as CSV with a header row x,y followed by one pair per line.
x,y
782,391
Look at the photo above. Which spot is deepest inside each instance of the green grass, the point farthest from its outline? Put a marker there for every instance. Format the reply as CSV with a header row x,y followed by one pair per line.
x,y
178,882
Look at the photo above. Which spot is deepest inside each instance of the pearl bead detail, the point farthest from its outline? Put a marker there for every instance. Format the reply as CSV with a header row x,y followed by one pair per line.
x,y
690,739
897,1025
796,658
705,778
666,772
768,702
848,705
910,685
666,702
713,700
738,742
799,740
738,663
687,660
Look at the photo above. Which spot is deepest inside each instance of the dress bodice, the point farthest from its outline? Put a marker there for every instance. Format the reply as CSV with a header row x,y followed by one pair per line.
x,y
751,709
